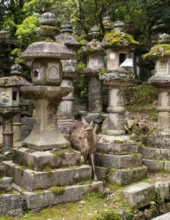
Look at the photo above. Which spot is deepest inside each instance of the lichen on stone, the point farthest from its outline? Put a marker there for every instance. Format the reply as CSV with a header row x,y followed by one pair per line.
x,y
160,50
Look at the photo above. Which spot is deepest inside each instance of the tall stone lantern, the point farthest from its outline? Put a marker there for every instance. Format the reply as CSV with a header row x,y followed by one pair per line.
x,y
52,169
95,64
118,159
156,154
9,106
118,76
46,93
70,73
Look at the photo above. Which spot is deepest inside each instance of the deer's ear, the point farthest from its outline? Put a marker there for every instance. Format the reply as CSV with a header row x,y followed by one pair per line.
x,y
84,121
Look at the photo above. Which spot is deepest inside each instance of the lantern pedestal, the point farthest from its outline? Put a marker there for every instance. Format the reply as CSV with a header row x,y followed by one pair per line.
x,y
45,134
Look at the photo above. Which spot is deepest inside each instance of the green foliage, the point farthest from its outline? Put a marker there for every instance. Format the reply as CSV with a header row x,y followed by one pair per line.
x,y
141,96
26,32
81,87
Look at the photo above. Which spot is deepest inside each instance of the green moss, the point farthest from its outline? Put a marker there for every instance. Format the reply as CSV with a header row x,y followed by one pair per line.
x,y
85,182
119,39
57,190
161,50
47,169
62,152
104,72
49,28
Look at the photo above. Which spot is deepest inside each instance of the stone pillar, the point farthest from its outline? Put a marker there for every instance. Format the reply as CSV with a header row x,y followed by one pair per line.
x,y
95,64
8,114
16,70
155,158
70,73
117,76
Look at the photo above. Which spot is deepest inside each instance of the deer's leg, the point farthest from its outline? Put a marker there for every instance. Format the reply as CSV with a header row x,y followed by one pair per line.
x,y
92,156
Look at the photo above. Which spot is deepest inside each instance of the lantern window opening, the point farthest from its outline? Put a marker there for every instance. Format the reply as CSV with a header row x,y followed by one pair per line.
x,y
122,57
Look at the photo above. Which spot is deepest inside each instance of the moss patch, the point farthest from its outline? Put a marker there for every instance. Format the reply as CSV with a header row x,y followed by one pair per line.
x,y
161,50
120,39
57,190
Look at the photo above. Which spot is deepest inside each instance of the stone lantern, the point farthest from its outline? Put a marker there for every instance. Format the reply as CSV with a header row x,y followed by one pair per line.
x,y
9,106
46,94
95,64
118,159
52,169
156,153
70,73
117,77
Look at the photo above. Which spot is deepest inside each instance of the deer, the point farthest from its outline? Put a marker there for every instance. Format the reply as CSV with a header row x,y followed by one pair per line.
x,y
84,138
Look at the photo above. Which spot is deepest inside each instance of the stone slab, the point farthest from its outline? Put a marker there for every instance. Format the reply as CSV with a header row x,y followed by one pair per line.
x,y
118,149
156,153
39,160
162,188
11,205
154,165
162,217
5,184
121,177
33,180
118,161
2,170
41,199
139,195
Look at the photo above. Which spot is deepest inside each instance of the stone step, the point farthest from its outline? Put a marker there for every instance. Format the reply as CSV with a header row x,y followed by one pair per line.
x,y
58,195
118,149
157,165
122,177
11,204
33,180
5,184
118,161
139,195
156,153
40,160
162,217
159,142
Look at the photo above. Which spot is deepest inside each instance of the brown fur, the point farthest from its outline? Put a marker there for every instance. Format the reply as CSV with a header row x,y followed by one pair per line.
x,y
84,138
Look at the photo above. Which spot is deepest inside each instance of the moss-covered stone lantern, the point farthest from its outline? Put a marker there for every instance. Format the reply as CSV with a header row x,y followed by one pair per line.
x,y
119,46
95,64
160,138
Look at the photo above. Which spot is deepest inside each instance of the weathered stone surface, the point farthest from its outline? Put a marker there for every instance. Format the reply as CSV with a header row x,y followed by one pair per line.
x,y
118,161
154,165
120,149
163,189
2,171
11,205
159,142
122,176
69,194
5,184
139,195
156,153
162,217
33,180
39,160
